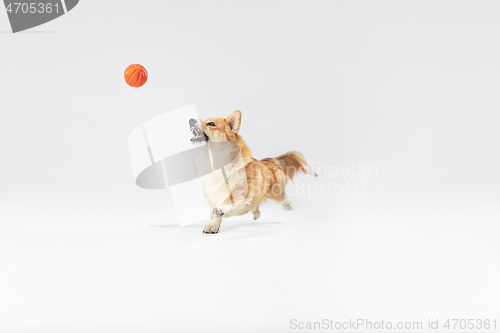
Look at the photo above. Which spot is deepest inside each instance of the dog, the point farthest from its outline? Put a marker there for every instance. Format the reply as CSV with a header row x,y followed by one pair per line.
x,y
248,181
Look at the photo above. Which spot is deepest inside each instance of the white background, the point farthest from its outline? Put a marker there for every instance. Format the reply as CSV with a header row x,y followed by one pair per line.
x,y
408,87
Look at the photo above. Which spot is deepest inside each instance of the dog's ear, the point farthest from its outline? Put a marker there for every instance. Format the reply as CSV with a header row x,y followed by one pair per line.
x,y
234,121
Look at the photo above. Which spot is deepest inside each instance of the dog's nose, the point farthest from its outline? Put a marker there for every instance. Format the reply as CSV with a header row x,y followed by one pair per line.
x,y
192,121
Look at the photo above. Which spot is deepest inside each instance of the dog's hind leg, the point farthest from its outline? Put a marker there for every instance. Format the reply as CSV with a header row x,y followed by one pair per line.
x,y
256,213
278,194
287,205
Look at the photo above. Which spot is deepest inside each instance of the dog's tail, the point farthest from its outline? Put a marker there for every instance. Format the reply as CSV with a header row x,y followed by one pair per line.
x,y
291,163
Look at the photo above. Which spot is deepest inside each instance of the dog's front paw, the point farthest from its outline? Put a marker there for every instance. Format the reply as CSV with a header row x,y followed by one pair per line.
x,y
211,229
217,212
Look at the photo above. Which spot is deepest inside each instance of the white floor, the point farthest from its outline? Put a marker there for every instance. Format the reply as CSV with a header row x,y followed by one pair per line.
x,y
101,269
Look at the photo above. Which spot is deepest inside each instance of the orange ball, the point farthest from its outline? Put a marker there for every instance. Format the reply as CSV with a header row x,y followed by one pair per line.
x,y
136,75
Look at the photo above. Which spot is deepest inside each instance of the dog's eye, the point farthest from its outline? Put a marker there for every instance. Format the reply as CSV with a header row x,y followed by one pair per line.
x,y
211,123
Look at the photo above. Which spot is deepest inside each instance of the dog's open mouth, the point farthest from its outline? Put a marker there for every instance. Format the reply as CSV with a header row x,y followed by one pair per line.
x,y
198,135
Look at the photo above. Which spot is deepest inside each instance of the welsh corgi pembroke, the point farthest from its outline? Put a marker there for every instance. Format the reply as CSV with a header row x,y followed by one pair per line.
x,y
250,180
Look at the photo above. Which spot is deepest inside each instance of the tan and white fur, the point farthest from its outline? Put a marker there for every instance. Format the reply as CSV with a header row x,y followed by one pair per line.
x,y
250,180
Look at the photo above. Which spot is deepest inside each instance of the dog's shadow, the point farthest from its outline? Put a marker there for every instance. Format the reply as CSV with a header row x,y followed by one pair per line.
x,y
234,225
174,226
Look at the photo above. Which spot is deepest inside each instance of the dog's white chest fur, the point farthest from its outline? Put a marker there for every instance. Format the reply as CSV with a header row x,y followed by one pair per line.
x,y
224,173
